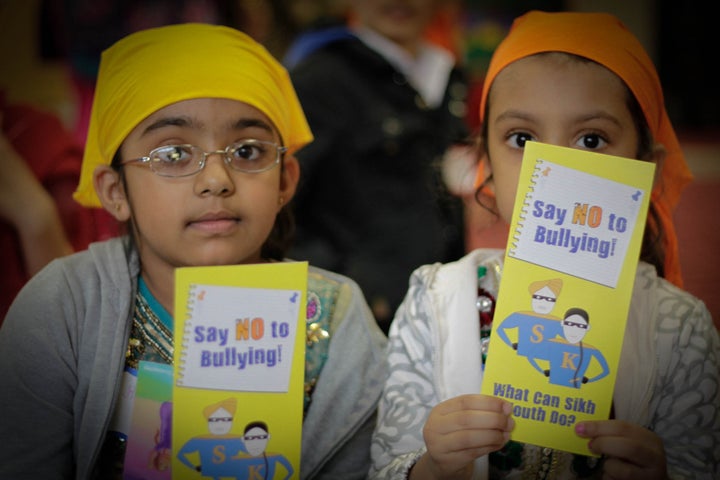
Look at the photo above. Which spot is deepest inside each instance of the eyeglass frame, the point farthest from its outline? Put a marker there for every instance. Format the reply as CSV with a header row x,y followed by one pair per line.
x,y
280,150
569,323
220,419
543,297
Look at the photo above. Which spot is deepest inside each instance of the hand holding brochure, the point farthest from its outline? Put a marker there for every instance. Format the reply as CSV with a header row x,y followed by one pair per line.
x,y
567,281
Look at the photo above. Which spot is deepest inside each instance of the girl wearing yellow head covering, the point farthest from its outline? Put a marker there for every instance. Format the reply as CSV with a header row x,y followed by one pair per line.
x,y
191,143
579,80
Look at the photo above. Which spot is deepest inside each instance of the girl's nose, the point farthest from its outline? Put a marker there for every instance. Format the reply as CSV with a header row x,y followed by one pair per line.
x,y
215,178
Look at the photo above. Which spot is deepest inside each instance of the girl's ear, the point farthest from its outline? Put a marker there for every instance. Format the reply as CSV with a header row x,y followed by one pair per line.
x,y
111,192
289,179
484,174
657,156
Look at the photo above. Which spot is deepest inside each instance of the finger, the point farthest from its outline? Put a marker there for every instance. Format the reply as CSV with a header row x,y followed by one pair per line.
x,y
630,445
475,420
627,451
463,440
475,402
611,428
452,452
467,430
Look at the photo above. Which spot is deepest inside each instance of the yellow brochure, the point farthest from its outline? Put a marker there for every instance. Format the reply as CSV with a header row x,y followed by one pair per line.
x,y
565,292
239,365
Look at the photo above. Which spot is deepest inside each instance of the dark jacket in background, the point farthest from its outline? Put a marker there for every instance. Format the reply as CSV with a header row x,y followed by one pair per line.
x,y
371,203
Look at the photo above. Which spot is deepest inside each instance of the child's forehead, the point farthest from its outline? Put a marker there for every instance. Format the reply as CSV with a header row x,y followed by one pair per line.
x,y
550,61
544,80
206,114
214,105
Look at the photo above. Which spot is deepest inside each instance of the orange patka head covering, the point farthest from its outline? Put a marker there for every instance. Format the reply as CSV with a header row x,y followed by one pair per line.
x,y
601,37
229,405
555,285
154,68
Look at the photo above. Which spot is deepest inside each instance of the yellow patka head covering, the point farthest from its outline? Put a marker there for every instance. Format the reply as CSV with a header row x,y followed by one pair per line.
x,y
603,38
154,68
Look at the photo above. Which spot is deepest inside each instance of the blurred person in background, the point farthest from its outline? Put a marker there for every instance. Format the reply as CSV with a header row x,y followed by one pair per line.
x,y
384,104
39,220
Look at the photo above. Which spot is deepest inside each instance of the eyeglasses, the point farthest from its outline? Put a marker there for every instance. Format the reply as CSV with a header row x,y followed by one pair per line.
x,y
220,419
248,156
541,297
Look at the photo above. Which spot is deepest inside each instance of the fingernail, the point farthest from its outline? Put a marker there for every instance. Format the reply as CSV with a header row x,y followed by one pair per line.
x,y
580,429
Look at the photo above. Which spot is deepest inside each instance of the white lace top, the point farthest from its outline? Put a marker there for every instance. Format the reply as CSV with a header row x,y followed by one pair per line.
x,y
668,377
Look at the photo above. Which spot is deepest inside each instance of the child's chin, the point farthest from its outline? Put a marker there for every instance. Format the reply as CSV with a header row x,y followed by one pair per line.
x,y
223,253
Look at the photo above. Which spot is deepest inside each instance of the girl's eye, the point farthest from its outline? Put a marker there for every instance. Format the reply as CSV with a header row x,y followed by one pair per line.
x,y
517,140
591,141
173,154
250,152
247,152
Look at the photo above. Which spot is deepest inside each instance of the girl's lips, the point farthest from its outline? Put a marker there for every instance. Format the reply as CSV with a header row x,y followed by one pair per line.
x,y
214,223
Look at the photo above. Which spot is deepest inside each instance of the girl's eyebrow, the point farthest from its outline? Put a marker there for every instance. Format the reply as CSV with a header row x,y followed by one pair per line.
x,y
602,115
513,114
520,115
244,123
167,122
183,121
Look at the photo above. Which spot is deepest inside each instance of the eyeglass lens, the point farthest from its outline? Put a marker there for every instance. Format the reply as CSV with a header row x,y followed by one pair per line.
x,y
541,297
250,156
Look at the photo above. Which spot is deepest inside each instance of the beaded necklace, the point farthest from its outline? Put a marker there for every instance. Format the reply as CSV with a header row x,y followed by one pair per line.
x,y
151,333
148,330
486,309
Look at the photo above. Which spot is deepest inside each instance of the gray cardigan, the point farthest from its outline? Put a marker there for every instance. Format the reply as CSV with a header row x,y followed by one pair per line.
x,y
62,353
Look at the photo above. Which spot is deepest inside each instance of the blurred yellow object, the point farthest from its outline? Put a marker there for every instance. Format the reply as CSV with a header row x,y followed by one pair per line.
x,y
26,77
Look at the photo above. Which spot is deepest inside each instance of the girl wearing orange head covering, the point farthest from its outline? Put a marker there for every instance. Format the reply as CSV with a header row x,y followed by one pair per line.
x,y
580,80
602,38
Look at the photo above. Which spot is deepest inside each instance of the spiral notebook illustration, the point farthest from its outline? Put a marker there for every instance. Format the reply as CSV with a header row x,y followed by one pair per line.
x,y
238,374
567,281
576,222
236,338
